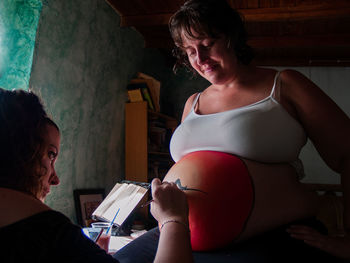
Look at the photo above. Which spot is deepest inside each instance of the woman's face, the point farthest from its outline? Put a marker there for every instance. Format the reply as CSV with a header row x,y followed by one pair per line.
x,y
51,150
211,58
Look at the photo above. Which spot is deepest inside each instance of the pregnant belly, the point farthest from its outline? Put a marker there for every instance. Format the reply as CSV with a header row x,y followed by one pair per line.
x,y
220,195
232,199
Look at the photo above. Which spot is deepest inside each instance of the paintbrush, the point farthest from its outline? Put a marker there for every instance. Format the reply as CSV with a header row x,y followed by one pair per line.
x,y
181,187
99,235
111,224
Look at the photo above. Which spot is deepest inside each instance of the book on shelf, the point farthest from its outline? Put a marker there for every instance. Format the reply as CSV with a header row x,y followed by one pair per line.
x,y
142,88
153,87
135,95
147,97
121,202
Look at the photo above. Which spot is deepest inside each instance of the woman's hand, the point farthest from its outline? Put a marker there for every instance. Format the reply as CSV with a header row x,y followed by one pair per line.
x,y
169,202
337,246
170,205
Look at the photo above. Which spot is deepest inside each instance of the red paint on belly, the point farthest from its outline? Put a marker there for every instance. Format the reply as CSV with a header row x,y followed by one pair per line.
x,y
217,216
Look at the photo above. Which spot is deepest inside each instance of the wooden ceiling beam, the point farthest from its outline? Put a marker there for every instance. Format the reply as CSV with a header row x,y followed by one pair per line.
x,y
295,13
272,42
300,41
284,33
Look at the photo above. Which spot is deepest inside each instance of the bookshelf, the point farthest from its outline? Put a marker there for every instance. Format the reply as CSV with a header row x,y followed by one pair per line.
x,y
147,137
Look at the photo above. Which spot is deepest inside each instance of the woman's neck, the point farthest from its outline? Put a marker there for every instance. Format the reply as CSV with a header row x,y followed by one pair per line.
x,y
241,76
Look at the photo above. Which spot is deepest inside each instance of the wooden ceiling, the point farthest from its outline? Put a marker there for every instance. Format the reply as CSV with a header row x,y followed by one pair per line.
x,y
282,32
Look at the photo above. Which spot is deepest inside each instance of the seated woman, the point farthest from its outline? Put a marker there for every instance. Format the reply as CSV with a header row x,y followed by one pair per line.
x,y
32,232
254,122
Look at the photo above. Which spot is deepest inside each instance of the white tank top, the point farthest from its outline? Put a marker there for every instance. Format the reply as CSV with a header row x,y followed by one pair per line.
x,y
263,131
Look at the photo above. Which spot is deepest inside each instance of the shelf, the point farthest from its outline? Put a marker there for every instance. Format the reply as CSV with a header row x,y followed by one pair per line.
x,y
147,137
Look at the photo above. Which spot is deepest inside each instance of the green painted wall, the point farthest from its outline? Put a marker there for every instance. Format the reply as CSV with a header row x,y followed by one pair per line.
x,y
82,63
18,24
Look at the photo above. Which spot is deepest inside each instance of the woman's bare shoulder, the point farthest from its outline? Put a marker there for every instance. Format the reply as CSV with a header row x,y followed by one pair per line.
x,y
291,77
19,206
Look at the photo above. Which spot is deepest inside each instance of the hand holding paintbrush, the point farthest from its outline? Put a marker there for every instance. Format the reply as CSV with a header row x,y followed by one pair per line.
x,y
168,203
181,187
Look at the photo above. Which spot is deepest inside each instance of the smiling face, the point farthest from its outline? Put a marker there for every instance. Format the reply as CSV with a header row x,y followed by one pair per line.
x,y
50,154
212,58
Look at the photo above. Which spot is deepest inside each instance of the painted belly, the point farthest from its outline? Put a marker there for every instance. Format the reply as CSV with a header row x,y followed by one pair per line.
x,y
220,196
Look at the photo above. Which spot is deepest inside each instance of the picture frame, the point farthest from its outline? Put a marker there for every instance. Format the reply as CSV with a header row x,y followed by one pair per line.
x,y
86,201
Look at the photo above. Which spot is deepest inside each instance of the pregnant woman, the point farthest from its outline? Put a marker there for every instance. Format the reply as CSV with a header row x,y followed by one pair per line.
x,y
238,144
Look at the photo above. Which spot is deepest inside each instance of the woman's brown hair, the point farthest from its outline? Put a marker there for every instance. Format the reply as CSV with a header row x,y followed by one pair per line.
x,y
209,18
23,123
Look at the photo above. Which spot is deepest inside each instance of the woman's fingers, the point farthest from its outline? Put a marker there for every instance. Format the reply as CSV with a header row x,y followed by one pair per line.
x,y
337,246
169,200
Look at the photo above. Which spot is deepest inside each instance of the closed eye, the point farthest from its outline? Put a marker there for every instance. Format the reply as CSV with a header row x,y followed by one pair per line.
x,y
208,45
190,52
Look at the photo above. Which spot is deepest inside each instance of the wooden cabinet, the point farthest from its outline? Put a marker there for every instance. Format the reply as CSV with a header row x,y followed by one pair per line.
x,y
147,137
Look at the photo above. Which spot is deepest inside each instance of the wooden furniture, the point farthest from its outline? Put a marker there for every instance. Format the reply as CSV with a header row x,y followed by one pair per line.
x,y
147,137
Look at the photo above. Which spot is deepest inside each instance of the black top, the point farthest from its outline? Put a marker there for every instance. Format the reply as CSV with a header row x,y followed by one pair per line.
x,y
48,236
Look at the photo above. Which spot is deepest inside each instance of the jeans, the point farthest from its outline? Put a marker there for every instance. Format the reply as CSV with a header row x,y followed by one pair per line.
x,y
273,246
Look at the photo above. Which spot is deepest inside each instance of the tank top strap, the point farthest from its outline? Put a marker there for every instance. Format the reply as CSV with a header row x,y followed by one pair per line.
x,y
275,92
195,101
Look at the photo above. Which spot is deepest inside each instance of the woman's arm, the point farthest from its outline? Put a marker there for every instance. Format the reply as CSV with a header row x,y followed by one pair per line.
x,y
174,244
170,208
327,126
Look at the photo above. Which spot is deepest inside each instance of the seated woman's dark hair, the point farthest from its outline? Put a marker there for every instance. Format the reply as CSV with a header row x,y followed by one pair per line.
x,y
22,129
209,18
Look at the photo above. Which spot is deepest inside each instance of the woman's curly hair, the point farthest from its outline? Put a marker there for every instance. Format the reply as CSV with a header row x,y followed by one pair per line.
x,y
208,18
22,129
